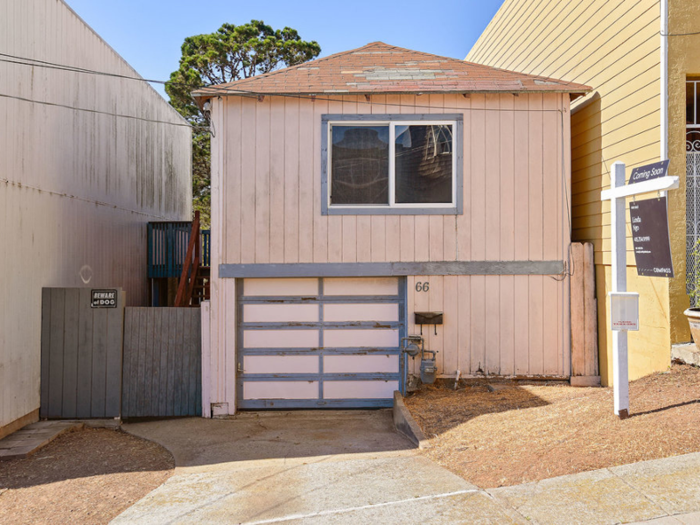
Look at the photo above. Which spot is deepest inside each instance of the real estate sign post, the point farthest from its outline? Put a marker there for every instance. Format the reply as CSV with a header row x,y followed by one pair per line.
x,y
624,306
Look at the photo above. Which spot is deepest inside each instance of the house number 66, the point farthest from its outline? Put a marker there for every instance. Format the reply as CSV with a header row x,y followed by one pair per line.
x,y
422,287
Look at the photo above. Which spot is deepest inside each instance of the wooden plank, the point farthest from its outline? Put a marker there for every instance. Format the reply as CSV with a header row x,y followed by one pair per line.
x,y
45,350
166,325
364,238
478,179
463,222
99,363
249,141
590,327
308,198
436,238
70,353
578,337
178,362
147,385
231,184
349,237
196,365
393,238
85,331
291,179
185,363
477,324
144,330
436,304
506,324
335,222
521,286
126,370
493,188
492,324
422,240
507,178
113,365
263,137
378,242
464,323
321,223
450,347
58,301
153,397
172,353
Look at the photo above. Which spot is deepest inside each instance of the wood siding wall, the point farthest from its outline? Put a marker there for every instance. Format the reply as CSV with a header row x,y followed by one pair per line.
x,y
162,362
76,187
267,209
272,184
614,47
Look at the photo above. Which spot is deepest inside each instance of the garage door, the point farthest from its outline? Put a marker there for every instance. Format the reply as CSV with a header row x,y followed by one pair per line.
x,y
320,342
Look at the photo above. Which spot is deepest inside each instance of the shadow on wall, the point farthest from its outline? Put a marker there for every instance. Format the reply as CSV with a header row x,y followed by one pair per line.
x,y
590,174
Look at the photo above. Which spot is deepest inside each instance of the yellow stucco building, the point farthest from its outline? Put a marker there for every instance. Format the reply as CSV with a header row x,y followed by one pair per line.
x,y
641,58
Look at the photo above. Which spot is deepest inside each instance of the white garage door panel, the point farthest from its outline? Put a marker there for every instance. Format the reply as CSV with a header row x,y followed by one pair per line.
x,y
360,338
280,338
280,313
280,390
361,312
285,364
360,364
333,342
359,389
289,287
361,286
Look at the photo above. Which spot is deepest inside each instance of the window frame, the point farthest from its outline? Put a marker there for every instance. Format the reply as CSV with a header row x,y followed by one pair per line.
x,y
392,208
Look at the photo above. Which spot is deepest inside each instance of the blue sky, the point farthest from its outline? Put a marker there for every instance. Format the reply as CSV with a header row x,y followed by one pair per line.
x,y
149,33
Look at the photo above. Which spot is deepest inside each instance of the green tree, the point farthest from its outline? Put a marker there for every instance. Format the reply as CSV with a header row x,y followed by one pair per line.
x,y
231,53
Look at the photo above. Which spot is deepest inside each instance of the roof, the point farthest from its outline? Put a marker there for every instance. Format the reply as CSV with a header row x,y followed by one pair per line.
x,y
382,68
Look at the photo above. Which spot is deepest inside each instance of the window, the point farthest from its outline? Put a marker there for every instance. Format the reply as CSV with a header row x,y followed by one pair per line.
x,y
392,164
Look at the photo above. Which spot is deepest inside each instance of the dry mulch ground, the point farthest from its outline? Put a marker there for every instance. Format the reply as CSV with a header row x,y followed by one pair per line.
x,y
521,433
89,476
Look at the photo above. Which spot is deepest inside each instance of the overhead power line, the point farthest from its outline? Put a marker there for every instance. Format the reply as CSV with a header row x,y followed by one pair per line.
x,y
221,90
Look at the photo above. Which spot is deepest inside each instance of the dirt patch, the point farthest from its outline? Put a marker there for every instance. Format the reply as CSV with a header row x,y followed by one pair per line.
x,y
89,476
521,433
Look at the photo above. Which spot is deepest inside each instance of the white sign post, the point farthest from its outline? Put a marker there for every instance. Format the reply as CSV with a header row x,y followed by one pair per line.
x,y
618,224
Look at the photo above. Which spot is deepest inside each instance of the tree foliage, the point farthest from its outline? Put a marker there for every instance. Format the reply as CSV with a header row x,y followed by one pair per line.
x,y
231,53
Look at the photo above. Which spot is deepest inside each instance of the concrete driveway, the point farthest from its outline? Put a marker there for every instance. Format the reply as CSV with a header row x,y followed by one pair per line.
x,y
304,466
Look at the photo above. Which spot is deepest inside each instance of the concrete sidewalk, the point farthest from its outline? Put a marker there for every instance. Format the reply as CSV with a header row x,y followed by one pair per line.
x,y
351,467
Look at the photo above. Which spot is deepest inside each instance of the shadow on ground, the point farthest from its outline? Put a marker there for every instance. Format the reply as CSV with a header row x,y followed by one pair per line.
x,y
440,407
255,436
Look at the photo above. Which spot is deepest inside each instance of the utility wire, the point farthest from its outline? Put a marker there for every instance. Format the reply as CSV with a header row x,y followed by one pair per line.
x,y
96,111
221,90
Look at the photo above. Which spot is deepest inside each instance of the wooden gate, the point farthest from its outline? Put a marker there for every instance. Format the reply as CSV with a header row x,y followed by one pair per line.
x,y
81,354
162,362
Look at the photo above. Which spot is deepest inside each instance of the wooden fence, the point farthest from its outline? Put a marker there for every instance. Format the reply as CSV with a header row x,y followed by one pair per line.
x,y
81,355
584,317
162,362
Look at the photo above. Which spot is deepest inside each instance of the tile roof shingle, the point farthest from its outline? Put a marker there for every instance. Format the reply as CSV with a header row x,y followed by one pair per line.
x,y
381,68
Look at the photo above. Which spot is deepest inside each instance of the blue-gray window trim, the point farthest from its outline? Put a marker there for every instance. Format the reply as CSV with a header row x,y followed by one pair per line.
x,y
458,118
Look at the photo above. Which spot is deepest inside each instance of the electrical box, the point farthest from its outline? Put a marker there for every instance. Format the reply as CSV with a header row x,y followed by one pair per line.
x,y
624,311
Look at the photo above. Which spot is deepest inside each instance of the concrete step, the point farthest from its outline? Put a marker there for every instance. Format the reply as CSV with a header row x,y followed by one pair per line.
x,y
687,353
31,438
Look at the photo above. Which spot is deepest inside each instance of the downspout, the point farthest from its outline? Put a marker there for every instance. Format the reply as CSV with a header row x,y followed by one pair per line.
x,y
664,80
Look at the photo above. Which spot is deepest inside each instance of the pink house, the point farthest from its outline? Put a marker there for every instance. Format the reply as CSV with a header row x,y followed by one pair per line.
x,y
354,191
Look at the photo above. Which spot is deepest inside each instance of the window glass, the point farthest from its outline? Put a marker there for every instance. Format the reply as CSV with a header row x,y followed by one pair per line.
x,y
423,167
360,165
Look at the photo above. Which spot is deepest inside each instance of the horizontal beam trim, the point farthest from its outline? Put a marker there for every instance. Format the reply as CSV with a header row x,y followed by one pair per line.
x,y
390,269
